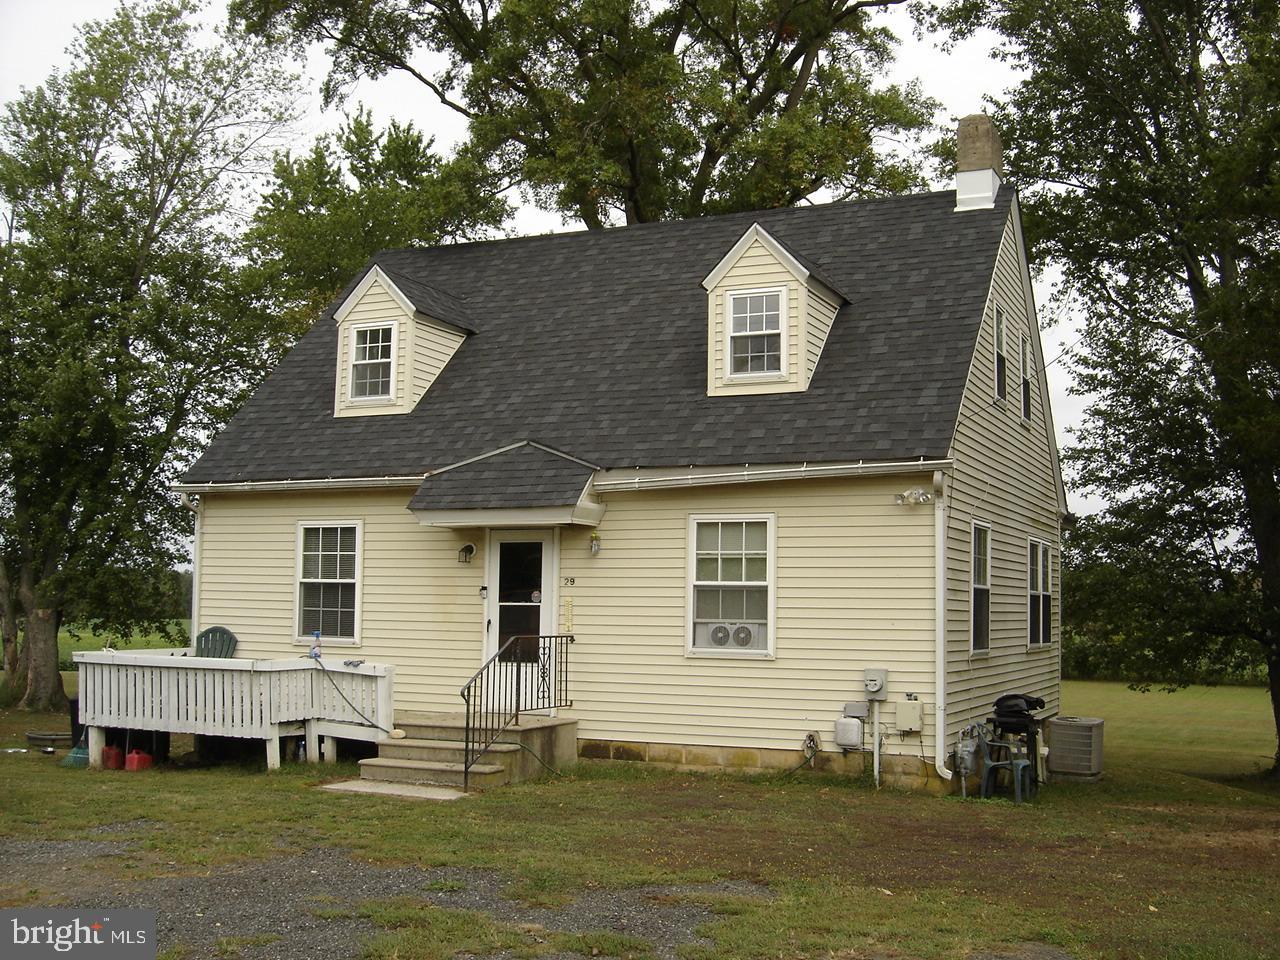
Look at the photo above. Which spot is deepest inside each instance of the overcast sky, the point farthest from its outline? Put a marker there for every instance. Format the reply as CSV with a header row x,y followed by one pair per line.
x,y
35,33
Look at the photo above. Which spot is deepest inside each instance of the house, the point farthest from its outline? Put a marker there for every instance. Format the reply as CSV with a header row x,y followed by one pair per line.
x,y
746,461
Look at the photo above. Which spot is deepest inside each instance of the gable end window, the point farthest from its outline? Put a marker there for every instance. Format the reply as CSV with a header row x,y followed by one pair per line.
x,y
980,598
371,362
329,581
1026,379
731,583
1002,364
755,332
1039,595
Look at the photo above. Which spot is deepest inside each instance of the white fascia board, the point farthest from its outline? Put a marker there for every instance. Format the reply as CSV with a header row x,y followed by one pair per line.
x,y
266,486
580,514
650,478
374,275
755,232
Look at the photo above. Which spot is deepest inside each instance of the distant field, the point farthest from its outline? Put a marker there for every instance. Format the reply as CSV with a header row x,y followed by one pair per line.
x,y
1211,732
67,642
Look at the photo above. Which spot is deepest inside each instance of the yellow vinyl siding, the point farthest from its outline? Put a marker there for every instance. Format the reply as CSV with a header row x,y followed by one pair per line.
x,y
854,585
822,308
433,346
420,609
854,589
1004,475
756,268
422,348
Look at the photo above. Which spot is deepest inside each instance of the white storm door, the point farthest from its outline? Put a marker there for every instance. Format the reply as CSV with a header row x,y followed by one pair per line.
x,y
521,605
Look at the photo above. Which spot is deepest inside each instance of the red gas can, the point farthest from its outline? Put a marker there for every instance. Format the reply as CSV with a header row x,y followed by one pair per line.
x,y
137,760
112,758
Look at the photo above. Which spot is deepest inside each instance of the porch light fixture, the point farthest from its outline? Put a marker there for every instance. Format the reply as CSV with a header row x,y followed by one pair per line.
x,y
595,542
916,496
466,553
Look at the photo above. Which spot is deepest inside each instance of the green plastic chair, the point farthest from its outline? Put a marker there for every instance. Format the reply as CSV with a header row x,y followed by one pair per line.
x,y
216,642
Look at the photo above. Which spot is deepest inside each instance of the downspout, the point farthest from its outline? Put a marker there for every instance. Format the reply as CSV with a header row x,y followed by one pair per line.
x,y
194,507
940,626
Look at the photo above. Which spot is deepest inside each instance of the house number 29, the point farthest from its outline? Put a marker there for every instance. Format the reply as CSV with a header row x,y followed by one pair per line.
x,y
568,581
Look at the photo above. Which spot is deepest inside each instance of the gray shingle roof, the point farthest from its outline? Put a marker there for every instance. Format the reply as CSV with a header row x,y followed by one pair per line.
x,y
595,343
528,475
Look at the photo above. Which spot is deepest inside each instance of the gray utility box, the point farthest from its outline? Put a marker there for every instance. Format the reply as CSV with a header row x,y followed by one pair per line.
x,y
1075,748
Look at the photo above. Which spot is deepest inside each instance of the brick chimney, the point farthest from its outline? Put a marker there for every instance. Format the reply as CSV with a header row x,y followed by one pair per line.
x,y
979,162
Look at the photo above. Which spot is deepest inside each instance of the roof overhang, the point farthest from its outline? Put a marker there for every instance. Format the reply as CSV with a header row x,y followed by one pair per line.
x,y
585,513
649,478
268,486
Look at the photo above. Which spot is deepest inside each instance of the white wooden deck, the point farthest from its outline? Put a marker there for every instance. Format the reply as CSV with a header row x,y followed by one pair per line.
x,y
254,699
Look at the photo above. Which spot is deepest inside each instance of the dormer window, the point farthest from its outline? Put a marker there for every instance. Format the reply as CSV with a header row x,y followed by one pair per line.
x,y
755,335
768,316
371,374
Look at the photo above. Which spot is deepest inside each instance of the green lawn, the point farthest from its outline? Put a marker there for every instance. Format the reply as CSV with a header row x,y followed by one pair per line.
x,y
1176,854
71,639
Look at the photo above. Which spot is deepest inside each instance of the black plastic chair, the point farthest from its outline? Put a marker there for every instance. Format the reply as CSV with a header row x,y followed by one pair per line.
x,y
216,642
1019,767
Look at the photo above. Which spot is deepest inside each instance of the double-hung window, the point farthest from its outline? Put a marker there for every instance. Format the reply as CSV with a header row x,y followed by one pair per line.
x,y
371,362
980,603
1026,379
329,580
755,332
1002,364
1039,595
732,579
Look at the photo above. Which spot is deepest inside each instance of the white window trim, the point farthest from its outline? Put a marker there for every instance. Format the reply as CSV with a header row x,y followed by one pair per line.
x,y
771,546
1025,362
1044,548
973,526
999,337
390,398
298,637
784,323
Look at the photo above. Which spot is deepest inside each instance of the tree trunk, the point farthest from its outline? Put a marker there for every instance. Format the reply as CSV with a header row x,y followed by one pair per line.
x,y
1273,682
44,682
9,628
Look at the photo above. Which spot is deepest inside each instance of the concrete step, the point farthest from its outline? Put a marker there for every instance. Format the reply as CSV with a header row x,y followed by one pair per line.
x,y
385,788
483,775
422,725
412,748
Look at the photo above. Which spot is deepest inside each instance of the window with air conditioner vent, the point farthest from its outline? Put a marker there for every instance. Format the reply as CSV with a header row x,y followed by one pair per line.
x,y
731,586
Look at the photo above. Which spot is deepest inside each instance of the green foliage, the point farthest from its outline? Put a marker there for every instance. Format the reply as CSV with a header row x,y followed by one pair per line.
x,y
328,210
601,108
1144,138
127,337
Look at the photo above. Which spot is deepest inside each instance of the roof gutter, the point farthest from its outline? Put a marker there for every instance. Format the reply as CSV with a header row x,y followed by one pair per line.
x,y
266,486
644,479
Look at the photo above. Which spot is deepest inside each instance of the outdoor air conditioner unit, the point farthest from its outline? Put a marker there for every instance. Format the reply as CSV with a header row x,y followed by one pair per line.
x,y
1075,748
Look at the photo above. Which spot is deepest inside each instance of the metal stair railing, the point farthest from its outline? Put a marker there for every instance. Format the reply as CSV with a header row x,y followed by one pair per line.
x,y
527,673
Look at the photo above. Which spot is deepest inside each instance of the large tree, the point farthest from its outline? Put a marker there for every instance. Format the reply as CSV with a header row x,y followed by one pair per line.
x,y
608,108
1146,139
125,340
328,210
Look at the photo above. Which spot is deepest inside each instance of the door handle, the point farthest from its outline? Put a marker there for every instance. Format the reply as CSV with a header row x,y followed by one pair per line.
x,y
488,625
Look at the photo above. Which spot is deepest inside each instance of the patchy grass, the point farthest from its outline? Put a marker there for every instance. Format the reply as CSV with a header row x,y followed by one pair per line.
x,y
235,946
1175,854
420,931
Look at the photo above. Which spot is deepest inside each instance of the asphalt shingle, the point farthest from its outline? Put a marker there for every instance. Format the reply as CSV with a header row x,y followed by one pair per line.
x,y
594,343
523,476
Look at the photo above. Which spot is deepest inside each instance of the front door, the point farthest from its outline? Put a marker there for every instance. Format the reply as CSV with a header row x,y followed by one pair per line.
x,y
521,604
